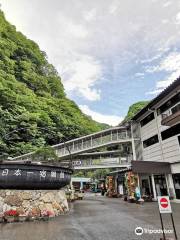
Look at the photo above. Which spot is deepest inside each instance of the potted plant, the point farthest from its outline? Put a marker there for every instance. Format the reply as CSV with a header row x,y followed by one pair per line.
x,y
34,214
22,217
11,216
45,214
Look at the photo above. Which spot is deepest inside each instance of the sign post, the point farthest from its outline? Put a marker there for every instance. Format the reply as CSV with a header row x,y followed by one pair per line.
x,y
165,207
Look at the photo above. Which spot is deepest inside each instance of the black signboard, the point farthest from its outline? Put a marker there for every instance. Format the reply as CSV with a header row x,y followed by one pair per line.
x,y
33,176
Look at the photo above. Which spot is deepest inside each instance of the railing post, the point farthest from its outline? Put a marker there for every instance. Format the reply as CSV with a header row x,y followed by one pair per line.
x,y
126,134
91,142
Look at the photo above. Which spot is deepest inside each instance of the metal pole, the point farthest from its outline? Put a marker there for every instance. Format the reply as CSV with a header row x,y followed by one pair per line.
x,y
164,237
175,234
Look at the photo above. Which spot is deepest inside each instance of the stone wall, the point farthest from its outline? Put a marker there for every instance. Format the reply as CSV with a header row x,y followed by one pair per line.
x,y
34,201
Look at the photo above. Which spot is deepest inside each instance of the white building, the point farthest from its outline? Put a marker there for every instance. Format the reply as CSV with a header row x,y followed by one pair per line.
x,y
158,128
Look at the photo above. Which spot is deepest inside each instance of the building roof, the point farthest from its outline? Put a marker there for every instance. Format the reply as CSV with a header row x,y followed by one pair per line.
x,y
80,179
120,171
157,99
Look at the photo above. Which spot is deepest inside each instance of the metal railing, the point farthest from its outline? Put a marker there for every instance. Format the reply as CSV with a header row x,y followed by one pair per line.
x,y
100,139
90,142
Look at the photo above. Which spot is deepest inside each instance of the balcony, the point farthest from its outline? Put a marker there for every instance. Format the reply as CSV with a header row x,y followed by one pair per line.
x,y
170,120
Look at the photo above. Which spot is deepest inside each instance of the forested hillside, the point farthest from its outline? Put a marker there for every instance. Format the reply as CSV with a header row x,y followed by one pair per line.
x,y
135,108
34,110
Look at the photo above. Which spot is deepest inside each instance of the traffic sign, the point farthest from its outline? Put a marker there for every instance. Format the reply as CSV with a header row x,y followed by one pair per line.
x,y
164,204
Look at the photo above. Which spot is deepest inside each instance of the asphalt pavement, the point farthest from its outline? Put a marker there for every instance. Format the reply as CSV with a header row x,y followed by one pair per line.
x,y
97,218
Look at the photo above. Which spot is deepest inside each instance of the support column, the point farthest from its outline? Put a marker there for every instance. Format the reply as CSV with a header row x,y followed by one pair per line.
x,y
133,150
154,187
91,142
81,185
133,144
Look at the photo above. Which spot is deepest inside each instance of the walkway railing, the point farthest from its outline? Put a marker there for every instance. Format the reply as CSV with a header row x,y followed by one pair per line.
x,y
93,141
90,142
110,161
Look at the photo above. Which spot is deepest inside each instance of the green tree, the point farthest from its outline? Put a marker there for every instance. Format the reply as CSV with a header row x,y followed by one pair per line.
x,y
45,154
32,98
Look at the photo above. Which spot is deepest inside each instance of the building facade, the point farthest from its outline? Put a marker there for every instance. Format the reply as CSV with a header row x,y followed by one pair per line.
x,y
158,128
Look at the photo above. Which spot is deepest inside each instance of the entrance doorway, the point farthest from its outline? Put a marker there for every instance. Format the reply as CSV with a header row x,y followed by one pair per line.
x,y
176,178
160,184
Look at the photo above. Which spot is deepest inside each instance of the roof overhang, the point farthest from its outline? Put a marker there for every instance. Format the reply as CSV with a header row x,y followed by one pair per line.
x,y
151,167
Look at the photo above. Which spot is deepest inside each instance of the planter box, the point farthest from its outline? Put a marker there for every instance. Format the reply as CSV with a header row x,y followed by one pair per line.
x,y
45,218
22,218
10,219
1,219
32,218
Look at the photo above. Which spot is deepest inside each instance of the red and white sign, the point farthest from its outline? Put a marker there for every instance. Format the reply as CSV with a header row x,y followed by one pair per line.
x,y
164,204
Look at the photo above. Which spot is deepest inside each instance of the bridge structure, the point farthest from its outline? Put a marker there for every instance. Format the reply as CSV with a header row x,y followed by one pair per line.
x,y
110,148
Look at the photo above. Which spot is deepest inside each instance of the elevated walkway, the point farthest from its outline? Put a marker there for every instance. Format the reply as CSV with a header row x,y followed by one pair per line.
x,y
108,137
101,166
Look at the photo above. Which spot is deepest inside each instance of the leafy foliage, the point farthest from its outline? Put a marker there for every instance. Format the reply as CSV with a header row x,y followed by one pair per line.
x,y
135,108
34,110
45,154
93,174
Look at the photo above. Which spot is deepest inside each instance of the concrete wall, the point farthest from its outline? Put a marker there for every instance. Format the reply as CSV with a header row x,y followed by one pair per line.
x,y
175,168
166,150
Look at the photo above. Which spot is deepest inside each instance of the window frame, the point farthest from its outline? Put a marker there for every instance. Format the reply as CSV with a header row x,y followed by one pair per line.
x,y
149,142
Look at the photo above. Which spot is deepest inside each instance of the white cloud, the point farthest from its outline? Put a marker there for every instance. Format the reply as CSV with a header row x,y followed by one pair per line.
x,y
167,4
90,15
113,8
81,76
171,65
177,20
109,119
139,74
94,41
165,21
77,30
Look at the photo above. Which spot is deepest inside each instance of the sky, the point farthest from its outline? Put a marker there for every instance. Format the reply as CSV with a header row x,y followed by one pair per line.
x,y
109,53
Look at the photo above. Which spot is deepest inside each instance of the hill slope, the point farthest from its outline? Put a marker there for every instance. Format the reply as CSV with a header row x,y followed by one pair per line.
x,y
34,110
135,108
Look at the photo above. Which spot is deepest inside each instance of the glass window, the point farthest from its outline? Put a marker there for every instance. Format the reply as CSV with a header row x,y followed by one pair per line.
x,y
175,109
150,141
147,119
170,132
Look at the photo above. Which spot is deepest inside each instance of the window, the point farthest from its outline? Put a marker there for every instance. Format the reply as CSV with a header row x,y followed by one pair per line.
x,y
170,132
170,103
175,109
147,119
150,141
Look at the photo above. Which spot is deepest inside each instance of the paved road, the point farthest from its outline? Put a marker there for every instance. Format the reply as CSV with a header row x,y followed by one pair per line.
x,y
94,218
